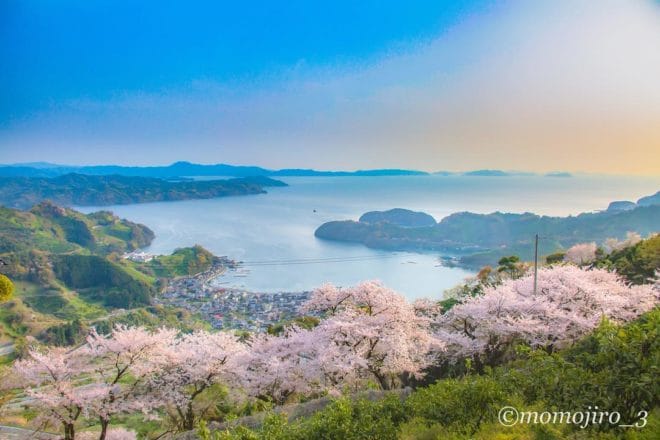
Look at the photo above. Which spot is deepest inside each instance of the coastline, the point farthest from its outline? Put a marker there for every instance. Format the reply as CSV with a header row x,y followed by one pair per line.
x,y
229,307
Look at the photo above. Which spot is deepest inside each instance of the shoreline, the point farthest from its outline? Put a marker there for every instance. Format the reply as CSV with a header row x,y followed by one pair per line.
x,y
229,307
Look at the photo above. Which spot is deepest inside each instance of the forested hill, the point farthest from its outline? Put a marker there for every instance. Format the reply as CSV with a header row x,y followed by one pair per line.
x,y
51,228
494,235
69,272
87,190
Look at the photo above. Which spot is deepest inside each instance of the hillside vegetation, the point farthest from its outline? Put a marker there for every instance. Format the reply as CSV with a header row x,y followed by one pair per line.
x,y
26,236
182,262
598,371
371,365
68,272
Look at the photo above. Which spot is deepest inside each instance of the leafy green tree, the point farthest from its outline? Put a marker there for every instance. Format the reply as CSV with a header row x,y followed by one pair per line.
x,y
639,263
6,288
555,258
69,333
511,265
614,368
463,404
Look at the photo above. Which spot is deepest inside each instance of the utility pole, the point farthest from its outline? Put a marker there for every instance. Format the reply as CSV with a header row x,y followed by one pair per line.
x,y
536,259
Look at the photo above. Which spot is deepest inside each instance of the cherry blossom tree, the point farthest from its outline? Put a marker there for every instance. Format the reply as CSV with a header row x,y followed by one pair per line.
x,y
569,303
51,379
581,254
366,333
372,330
427,308
193,363
613,244
277,367
122,362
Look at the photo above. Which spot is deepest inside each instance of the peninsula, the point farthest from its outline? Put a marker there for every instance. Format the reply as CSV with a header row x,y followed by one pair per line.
x,y
89,190
478,239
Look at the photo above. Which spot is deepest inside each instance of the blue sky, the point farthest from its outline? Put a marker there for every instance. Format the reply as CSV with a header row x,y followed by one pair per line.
x,y
342,84
60,50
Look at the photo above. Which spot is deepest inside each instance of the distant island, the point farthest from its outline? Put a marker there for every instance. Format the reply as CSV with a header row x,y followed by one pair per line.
x,y
492,173
558,174
479,239
91,190
183,169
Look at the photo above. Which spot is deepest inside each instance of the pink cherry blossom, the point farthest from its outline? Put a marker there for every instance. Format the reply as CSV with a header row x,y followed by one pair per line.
x,y
193,363
612,244
122,361
581,254
372,329
52,386
277,367
569,303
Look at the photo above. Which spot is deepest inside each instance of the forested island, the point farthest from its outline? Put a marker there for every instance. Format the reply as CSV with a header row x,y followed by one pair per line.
x,y
483,238
91,190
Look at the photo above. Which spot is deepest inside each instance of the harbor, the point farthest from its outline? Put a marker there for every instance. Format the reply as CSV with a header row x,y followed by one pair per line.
x,y
228,307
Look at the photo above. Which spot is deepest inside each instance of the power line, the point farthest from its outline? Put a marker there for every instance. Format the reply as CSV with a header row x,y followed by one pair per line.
x,y
314,261
286,262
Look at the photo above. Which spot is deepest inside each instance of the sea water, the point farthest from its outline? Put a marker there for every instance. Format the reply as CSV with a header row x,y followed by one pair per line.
x,y
273,233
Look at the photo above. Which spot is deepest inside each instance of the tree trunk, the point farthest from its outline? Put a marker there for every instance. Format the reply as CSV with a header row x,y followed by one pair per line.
x,y
189,421
69,431
104,428
382,380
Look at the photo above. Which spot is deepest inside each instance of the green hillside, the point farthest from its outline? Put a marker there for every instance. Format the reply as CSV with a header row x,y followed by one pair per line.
x,y
182,262
51,228
69,274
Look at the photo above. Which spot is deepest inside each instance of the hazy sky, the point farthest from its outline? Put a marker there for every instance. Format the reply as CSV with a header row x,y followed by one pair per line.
x,y
434,85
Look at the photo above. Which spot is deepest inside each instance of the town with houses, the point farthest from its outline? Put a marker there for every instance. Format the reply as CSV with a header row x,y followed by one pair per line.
x,y
230,307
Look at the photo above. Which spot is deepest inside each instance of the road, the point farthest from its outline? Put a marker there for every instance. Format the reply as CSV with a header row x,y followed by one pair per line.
x,y
6,349
12,433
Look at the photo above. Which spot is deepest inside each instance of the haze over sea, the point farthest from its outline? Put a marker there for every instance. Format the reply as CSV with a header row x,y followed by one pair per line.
x,y
274,233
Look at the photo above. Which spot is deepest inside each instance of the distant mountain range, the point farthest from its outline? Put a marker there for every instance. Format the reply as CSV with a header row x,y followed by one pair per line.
x,y
182,169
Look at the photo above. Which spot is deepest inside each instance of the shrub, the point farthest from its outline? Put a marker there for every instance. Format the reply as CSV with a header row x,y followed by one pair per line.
x,y
463,404
6,288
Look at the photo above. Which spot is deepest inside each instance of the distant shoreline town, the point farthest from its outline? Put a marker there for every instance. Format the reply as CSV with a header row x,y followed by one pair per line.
x,y
225,307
